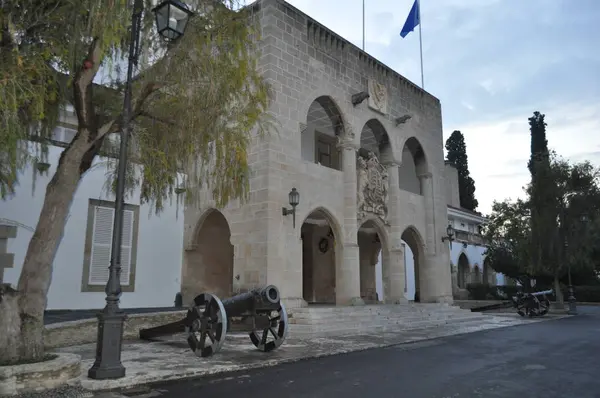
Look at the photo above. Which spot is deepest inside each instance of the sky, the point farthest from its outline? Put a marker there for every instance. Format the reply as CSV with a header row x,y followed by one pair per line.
x,y
492,63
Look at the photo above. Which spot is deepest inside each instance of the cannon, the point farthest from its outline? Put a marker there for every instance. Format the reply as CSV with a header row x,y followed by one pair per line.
x,y
259,312
531,304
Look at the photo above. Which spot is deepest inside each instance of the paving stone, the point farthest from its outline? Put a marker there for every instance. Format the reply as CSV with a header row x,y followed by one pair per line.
x,y
171,358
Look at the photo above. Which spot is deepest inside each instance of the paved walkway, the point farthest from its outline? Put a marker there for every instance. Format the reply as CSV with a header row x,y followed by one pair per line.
x,y
556,359
148,362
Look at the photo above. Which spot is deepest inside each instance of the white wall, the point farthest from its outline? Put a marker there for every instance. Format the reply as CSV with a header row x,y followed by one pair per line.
x,y
475,255
409,293
159,246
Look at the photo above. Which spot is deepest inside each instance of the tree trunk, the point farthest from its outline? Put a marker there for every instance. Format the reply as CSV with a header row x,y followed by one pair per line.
x,y
22,311
559,296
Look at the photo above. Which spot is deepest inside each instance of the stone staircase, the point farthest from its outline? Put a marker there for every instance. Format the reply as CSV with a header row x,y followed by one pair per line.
x,y
340,321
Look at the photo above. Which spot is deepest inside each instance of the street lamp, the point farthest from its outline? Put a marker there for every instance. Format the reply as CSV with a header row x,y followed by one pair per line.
x,y
449,235
171,18
111,320
294,198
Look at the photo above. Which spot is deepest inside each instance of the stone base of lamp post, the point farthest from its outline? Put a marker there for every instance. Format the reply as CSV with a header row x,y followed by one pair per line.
x,y
108,347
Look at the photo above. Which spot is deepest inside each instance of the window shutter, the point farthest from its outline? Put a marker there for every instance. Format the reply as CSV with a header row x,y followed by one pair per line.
x,y
126,246
101,245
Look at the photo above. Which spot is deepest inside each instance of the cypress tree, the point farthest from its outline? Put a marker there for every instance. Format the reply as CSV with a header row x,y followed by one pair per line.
x,y
457,154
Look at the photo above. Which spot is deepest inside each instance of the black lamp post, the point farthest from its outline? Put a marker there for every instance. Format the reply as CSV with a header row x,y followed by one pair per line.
x,y
294,197
449,235
571,297
171,20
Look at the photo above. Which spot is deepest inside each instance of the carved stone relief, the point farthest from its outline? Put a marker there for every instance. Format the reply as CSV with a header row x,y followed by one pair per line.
x,y
372,188
378,98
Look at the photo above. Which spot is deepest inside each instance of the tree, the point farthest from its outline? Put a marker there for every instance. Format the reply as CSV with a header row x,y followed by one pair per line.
x,y
507,233
457,154
544,204
197,104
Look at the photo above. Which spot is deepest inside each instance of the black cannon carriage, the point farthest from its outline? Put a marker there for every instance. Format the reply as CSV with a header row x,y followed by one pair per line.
x,y
258,312
527,304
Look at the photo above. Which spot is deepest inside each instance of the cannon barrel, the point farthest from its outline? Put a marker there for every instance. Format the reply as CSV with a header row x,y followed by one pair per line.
x,y
264,298
550,291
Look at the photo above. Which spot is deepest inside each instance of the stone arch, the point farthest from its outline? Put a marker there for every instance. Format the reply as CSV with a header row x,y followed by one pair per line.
x,y
321,256
319,134
414,240
374,138
208,264
414,164
372,238
463,270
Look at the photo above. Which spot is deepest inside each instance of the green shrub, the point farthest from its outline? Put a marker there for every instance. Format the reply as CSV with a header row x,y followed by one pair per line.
x,y
484,291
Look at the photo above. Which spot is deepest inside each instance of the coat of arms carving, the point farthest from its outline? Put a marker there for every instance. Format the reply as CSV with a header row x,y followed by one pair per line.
x,y
373,185
378,97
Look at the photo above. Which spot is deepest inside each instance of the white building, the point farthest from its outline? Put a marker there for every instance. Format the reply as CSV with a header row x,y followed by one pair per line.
x,y
152,248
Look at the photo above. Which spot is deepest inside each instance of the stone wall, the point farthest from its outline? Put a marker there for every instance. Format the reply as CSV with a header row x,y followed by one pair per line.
x,y
304,61
451,180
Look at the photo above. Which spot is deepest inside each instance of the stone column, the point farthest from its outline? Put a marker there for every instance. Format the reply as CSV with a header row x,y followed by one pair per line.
x,y
394,286
429,289
348,267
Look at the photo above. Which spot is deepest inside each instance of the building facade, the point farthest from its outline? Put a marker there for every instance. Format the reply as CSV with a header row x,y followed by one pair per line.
x,y
361,144
363,147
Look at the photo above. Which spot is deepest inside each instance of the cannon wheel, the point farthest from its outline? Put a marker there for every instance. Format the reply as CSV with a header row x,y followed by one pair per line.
x,y
208,325
521,305
271,338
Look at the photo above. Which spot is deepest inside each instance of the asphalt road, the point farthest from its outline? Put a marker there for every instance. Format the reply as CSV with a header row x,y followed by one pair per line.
x,y
558,358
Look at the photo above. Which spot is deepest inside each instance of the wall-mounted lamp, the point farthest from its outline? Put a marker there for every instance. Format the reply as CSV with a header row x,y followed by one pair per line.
x,y
449,235
359,97
402,119
294,196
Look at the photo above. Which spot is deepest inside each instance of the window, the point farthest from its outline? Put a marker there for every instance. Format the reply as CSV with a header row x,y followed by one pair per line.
x,y
63,134
326,151
97,250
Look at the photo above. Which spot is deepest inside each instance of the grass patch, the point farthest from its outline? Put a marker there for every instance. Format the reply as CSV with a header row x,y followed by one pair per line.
x,y
47,357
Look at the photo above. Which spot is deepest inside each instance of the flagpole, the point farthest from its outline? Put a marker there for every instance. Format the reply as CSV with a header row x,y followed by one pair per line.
x,y
363,15
420,43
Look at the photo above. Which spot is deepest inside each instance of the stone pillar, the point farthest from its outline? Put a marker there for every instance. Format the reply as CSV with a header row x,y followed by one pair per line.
x,y
348,268
429,281
394,286
6,259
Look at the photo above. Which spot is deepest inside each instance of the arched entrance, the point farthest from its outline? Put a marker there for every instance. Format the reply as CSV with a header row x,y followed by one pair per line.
x,y
414,164
463,271
370,245
209,265
318,259
319,134
412,239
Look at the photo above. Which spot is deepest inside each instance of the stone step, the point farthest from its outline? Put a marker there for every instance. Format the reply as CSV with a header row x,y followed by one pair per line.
x,y
378,318
342,316
345,329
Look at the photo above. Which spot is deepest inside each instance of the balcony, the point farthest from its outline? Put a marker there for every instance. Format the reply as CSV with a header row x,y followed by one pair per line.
x,y
470,238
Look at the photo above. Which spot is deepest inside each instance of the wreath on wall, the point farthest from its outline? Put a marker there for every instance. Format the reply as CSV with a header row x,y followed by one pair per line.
x,y
324,245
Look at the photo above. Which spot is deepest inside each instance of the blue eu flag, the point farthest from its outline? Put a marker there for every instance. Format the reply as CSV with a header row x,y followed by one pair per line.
x,y
412,21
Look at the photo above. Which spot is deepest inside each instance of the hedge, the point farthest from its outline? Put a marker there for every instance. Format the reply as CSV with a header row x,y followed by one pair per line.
x,y
483,291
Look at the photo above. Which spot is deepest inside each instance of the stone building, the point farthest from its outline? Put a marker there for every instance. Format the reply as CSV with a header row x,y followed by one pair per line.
x,y
363,147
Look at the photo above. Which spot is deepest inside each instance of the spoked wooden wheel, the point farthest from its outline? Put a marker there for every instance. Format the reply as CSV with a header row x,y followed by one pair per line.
x,y
521,305
207,325
271,338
